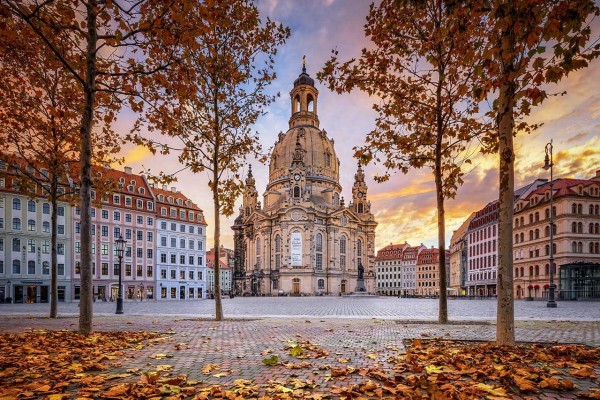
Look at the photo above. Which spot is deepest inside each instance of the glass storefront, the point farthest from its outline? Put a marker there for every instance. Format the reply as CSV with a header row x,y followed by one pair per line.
x,y
580,281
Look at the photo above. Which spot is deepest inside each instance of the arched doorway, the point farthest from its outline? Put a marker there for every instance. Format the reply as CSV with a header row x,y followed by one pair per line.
x,y
343,286
296,285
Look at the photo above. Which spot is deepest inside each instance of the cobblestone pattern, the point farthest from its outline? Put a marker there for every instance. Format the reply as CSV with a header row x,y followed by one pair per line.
x,y
238,346
331,307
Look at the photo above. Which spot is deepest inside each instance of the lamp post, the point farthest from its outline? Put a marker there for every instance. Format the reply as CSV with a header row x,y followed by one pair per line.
x,y
548,164
120,248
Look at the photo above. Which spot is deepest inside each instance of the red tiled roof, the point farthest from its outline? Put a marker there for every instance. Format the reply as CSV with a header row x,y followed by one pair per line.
x,y
391,252
210,259
186,204
562,187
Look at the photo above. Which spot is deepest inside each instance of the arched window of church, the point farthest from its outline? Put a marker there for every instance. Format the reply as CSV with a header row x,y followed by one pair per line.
x,y
258,258
318,251
296,104
296,191
277,252
247,211
343,245
310,104
321,284
360,208
336,199
328,160
359,247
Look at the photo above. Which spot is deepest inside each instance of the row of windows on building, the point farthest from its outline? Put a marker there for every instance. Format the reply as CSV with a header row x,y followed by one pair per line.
x,y
182,274
482,262
576,208
182,243
182,259
32,226
173,293
533,271
32,207
534,234
128,251
576,247
31,246
32,268
482,248
182,227
127,269
482,234
483,275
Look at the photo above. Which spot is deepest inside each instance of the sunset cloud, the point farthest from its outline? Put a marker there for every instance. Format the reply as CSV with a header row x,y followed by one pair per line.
x,y
405,205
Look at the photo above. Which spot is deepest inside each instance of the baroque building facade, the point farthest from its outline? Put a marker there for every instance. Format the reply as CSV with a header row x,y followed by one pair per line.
x,y
303,239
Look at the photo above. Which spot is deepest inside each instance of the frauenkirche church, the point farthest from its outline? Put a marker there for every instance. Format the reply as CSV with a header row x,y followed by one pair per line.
x,y
303,239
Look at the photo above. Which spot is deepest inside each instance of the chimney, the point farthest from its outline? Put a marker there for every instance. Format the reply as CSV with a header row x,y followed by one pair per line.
x,y
165,187
128,170
173,189
597,177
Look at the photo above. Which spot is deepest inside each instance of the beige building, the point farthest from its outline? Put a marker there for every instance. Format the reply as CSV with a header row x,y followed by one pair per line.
x,y
576,240
459,258
302,238
428,272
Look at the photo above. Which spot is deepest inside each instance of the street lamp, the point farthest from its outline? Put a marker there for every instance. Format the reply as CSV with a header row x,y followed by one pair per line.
x,y
120,248
548,164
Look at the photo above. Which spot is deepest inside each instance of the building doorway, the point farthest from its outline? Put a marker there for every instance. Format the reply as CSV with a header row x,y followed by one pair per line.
x,y
296,285
343,286
44,294
114,292
31,294
182,292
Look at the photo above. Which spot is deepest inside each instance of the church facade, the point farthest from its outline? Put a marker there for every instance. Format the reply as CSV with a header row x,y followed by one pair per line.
x,y
302,239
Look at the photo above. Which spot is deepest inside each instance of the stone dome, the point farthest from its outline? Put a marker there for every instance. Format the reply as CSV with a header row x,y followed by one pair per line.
x,y
320,159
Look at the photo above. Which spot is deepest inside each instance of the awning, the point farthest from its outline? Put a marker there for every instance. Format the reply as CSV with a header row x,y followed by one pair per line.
x,y
546,286
530,287
536,287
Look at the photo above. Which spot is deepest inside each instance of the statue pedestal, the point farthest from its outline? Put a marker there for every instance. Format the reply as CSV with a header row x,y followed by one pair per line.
x,y
360,286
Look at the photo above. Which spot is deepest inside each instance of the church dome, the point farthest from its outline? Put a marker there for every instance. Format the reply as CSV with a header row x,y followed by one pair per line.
x,y
304,79
319,157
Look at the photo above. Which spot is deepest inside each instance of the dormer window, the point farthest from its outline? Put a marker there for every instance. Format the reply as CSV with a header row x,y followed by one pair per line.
x,y
179,202
122,180
142,191
130,188
170,199
161,197
132,182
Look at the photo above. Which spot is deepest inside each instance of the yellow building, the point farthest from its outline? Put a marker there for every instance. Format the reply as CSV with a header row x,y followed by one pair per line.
x,y
303,238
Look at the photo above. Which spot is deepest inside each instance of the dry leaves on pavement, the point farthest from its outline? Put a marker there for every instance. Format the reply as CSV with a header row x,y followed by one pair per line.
x,y
43,363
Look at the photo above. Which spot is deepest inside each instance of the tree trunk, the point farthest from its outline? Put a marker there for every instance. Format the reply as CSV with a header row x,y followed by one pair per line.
x,y
439,193
217,240
505,324
86,299
53,248
443,306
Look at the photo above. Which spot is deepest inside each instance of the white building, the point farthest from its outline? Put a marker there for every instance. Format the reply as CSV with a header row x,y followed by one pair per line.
x,y
181,247
25,252
396,269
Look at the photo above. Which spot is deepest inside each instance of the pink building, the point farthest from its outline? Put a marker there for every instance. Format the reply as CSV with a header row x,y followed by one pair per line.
x,y
129,212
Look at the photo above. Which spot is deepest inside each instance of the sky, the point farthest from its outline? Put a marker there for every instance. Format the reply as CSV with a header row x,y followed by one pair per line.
x,y
404,206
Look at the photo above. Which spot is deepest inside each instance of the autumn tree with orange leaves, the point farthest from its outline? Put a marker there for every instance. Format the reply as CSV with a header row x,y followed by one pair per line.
x,y
528,45
109,43
206,108
40,109
421,70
